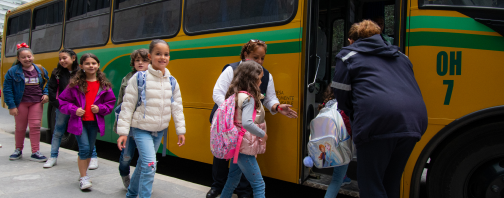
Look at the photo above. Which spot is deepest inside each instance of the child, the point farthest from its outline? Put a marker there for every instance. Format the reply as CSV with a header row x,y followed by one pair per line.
x,y
60,77
139,62
25,92
150,120
88,98
247,77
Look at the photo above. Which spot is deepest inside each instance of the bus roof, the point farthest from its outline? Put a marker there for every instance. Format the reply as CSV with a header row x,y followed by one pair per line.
x,y
26,6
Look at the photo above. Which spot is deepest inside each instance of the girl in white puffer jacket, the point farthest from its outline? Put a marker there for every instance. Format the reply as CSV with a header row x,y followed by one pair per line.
x,y
149,121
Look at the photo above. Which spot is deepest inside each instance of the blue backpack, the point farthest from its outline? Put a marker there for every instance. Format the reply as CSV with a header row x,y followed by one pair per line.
x,y
141,77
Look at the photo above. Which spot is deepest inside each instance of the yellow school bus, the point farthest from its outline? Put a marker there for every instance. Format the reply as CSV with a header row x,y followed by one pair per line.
x,y
456,47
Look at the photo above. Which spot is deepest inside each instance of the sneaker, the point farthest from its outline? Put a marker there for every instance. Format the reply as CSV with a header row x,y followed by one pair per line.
x,y
85,183
50,162
38,157
346,181
89,178
93,164
18,154
126,181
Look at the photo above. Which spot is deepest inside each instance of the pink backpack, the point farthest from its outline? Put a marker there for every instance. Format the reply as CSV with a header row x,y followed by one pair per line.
x,y
225,135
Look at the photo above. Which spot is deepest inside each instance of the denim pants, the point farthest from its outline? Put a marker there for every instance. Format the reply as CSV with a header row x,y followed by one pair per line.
x,y
247,164
127,155
141,181
336,181
60,127
87,139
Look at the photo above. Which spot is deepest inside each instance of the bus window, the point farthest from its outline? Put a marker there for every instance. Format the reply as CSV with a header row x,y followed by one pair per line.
x,y
483,3
88,23
338,40
215,15
47,28
139,19
18,31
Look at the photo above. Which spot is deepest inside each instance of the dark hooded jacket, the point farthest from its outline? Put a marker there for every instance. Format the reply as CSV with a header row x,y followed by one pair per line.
x,y
374,83
58,82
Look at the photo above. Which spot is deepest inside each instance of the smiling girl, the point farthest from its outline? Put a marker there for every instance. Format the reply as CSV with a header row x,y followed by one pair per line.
x,y
88,98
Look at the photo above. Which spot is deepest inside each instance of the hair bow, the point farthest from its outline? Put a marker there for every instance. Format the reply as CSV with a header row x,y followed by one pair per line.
x,y
22,45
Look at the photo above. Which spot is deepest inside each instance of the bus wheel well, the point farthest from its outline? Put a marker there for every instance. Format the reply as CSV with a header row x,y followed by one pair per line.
x,y
455,130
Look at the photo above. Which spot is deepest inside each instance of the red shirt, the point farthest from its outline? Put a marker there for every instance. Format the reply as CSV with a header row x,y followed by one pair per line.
x,y
92,90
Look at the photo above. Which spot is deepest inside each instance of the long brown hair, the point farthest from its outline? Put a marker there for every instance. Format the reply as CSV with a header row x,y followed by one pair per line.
x,y
328,95
245,78
80,77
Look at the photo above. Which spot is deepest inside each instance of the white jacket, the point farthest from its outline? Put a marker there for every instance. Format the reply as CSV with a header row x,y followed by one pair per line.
x,y
158,109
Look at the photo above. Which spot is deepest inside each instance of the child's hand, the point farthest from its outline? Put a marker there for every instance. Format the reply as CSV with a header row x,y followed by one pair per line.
x,y
13,112
265,137
44,99
80,112
181,140
121,142
95,109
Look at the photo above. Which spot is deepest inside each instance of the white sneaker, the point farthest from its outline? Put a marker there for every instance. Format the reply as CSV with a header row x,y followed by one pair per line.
x,y
50,162
85,183
93,164
126,181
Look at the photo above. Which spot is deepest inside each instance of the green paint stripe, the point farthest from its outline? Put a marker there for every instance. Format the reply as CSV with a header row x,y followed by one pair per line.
x,y
274,48
458,40
442,22
106,55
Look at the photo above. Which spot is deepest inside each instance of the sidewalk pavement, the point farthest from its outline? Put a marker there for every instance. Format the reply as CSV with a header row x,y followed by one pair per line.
x,y
25,178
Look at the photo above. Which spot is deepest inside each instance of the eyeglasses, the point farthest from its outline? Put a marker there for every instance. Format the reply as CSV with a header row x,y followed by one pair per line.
x,y
257,41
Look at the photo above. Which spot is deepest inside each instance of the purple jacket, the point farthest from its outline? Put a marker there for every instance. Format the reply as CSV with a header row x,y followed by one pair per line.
x,y
71,99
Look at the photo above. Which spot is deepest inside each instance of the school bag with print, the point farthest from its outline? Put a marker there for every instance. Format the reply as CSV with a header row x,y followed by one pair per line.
x,y
225,135
141,84
330,144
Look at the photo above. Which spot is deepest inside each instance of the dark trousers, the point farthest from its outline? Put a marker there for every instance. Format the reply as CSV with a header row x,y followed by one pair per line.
x,y
380,166
220,172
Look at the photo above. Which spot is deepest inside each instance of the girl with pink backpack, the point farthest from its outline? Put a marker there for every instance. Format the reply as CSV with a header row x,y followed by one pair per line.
x,y
249,116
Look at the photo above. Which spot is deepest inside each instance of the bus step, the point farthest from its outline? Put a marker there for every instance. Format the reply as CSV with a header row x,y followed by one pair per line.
x,y
323,181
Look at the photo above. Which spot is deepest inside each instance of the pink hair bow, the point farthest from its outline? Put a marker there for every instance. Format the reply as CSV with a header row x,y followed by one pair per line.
x,y
22,45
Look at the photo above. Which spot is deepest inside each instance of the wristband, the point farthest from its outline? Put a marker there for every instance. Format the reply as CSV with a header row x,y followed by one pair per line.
x,y
278,107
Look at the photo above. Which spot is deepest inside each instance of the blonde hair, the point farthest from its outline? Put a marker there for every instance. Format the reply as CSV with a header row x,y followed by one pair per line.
x,y
364,29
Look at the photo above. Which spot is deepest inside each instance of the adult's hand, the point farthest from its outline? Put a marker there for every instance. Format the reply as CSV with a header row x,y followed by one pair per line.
x,y
286,110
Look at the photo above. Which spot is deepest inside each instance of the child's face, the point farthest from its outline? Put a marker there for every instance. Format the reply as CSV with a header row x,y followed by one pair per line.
x,y
160,56
66,60
260,77
257,55
25,58
90,66
140,64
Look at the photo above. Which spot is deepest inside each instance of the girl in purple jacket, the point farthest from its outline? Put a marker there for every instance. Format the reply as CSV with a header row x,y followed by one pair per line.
x,y
88,98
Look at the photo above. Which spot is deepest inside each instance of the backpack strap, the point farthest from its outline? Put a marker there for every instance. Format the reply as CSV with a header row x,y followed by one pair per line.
x,y
141,77
42,74
173,83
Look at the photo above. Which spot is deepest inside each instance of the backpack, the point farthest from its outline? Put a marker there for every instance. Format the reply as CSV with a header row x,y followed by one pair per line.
x,y
330,144
225,136
141,77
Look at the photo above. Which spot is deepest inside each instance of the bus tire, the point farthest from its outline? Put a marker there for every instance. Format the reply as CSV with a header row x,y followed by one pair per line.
x,y
67,140
470,166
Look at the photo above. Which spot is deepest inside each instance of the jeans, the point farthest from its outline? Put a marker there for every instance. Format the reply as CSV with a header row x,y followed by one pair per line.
x,y
141,181
381,165
247,164
220,172
60,127
337,179
87,139
127,155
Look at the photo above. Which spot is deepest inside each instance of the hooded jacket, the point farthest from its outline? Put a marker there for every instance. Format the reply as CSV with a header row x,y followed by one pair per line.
x,y
156,113
71,99
58,83
374,83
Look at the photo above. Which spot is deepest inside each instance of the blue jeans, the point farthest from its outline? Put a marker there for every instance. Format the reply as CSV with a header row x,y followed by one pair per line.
x,y
87,139
247,164
60,127
337,179
127,155
141,181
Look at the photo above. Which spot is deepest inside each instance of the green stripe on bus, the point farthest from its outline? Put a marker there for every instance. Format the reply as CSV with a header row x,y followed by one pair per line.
x,y
108,54
443,22
458,40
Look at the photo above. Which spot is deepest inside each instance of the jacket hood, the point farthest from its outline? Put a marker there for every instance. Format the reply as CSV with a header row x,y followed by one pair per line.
x,y
373,45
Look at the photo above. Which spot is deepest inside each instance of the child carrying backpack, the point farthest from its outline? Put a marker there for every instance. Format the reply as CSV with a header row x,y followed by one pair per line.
x,y
238,129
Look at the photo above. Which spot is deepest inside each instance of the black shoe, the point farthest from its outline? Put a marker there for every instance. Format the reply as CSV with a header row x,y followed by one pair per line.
x,y
212,193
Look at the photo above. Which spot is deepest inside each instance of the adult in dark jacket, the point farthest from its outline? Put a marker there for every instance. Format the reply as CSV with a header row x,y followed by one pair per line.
x,y
374,83
60,77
